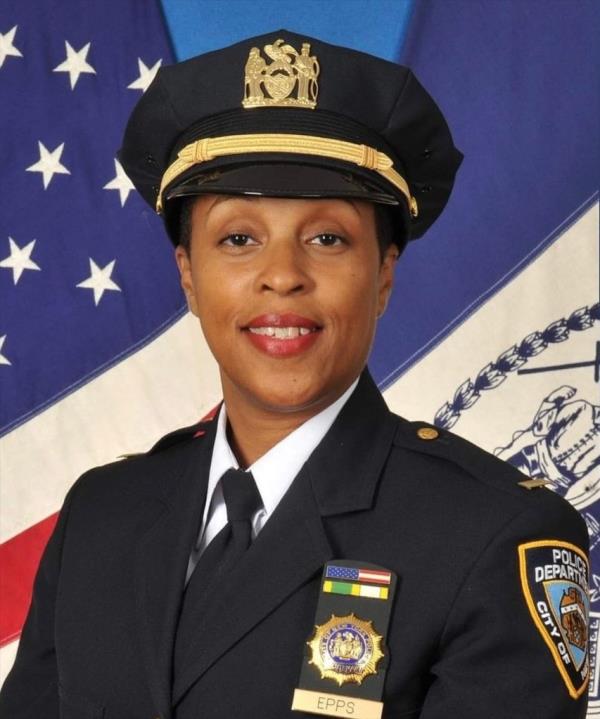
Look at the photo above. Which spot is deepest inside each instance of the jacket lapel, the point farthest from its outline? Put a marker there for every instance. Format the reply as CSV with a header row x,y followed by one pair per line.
x,y
162,555
340,476
261,582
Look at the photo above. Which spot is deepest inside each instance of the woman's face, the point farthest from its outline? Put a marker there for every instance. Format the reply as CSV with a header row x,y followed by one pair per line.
x,y
288,292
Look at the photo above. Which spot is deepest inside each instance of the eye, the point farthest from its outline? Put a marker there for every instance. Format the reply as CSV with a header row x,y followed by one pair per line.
x,y
238,239
328,239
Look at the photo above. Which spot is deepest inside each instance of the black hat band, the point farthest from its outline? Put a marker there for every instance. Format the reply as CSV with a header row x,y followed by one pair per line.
x,y
209,148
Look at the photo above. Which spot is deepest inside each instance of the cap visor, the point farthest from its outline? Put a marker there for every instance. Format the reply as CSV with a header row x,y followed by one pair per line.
x,y
282,180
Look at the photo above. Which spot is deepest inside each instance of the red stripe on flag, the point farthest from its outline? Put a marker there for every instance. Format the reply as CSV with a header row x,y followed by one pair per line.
x,y
372,575
19,559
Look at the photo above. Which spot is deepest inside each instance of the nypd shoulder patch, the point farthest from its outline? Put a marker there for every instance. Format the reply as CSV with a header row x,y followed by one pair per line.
x,y
554,579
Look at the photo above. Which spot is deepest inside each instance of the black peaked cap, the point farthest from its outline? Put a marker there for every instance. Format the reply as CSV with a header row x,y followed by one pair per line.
x,y
361,99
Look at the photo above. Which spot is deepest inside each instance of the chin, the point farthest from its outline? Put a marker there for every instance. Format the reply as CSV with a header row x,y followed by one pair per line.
x,y
286,397
289,394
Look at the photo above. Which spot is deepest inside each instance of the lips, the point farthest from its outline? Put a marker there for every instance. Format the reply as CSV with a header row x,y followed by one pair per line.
x,y
282,335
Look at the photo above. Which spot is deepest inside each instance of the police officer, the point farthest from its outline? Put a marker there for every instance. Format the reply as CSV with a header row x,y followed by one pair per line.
x,y
306,552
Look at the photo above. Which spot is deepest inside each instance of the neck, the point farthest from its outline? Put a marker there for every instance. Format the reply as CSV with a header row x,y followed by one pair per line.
x,y
253,429
252,437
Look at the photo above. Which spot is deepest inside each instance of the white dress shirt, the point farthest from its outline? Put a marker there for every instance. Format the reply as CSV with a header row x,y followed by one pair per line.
x,y
273,473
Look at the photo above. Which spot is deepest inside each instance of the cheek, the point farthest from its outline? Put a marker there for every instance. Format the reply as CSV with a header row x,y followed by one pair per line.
x,y
354,303
220,297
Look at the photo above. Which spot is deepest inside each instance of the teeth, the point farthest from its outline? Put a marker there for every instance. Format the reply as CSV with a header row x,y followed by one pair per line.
x,y
281,333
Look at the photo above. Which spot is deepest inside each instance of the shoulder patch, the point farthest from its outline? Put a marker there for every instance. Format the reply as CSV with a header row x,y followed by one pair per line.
x,y
554,578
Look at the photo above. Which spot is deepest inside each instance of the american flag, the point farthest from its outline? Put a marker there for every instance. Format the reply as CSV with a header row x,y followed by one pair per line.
x,y
87,277
355,573
76,241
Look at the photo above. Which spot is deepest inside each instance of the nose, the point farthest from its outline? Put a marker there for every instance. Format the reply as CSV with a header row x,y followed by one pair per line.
x,y
284,269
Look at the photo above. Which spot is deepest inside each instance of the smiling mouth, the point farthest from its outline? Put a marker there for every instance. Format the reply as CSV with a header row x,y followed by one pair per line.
x,y
284,334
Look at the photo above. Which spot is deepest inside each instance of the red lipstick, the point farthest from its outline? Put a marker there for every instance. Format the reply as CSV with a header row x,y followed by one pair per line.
x,y
282,335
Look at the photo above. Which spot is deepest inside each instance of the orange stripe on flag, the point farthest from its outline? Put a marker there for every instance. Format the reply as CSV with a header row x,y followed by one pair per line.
x,y
19,559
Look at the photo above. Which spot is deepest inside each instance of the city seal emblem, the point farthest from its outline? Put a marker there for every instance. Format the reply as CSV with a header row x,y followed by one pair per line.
x,y
346,649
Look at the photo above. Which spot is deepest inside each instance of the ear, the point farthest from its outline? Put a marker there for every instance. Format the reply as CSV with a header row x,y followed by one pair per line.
x,y
386,278
187,280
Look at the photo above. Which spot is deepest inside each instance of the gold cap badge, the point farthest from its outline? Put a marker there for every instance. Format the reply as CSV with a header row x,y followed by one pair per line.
x,y
289,81
346,649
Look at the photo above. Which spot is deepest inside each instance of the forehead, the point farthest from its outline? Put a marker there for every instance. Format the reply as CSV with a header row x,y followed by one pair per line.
x,y
208,206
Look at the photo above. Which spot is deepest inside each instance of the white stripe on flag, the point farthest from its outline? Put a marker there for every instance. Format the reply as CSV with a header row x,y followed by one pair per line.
x,y
7,659
171,382
562,279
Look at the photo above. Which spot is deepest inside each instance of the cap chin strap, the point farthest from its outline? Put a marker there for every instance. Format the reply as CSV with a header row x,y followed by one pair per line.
x,y
210,148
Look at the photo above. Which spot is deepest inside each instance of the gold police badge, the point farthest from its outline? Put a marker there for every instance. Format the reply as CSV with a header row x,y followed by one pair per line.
x,y
346,649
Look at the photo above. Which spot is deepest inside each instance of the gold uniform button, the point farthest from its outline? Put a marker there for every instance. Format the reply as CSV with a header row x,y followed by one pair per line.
x,y
427,433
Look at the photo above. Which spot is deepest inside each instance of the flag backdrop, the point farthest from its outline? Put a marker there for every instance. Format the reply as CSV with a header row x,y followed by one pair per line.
x,y
493,327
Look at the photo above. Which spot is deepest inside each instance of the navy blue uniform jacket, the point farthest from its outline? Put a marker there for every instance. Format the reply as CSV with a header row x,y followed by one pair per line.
x,y
444,515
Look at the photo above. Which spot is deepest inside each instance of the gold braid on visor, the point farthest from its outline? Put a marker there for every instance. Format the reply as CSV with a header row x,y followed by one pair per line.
x,y
210,148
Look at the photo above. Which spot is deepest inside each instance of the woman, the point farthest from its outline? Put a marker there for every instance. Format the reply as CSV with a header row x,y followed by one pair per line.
x,y
306,551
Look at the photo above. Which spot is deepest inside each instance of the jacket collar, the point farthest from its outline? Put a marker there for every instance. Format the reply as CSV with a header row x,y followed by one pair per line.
x,y
346,466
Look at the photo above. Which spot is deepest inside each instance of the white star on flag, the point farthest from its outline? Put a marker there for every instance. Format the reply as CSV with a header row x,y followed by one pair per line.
x,y
120,182
146,76
75,64
7,45
99,280
49,163
3,359
19,259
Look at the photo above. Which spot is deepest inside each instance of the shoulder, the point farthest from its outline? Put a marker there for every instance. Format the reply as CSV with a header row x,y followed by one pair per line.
x,y
154,472
439,448
472,478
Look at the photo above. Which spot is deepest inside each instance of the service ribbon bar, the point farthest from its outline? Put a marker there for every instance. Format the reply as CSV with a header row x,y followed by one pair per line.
x,y
355,590
356,574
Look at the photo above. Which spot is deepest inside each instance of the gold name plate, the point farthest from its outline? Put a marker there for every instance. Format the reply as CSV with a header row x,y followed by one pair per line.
x,y
336,705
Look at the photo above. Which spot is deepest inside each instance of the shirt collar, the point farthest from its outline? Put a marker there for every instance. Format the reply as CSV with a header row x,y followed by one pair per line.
x,y
275,471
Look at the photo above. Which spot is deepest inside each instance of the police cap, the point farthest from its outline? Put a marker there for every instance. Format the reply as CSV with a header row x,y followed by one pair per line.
x,y
286,115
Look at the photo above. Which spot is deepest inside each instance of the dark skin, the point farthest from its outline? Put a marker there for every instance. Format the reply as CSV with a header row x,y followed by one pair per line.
x,y
275,257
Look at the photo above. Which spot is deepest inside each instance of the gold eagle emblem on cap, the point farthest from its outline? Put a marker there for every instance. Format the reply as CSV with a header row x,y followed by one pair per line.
x,y
290,80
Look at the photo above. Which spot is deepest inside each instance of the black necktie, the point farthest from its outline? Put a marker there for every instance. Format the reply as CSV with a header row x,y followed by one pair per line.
x,y
242,499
